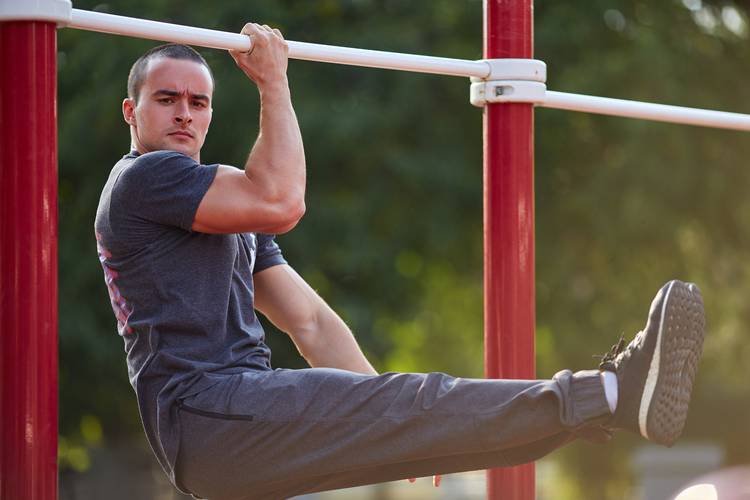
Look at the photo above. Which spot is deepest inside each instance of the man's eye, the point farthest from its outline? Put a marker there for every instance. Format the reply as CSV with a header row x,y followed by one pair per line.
x,y
166,100
199,104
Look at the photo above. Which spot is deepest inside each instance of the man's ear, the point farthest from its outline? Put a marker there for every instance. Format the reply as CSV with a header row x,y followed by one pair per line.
x,y
128,110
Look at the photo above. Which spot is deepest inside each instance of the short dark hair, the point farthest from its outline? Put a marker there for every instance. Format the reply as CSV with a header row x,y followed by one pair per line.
x,y
171,50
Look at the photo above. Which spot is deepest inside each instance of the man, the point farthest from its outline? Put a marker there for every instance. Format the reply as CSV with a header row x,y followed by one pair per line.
x,y
188,253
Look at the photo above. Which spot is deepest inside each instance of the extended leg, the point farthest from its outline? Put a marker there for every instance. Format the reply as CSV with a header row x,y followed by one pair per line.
x,y
279,433
274,434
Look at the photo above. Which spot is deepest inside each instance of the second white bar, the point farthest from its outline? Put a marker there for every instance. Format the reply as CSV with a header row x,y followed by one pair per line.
x,y
646,111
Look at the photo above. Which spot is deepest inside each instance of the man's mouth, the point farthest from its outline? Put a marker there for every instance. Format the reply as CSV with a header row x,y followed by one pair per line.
x,y
181,133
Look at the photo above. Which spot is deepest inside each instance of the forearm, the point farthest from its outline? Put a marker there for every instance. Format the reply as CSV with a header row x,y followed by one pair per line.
x,y
320,335
330,343
277,160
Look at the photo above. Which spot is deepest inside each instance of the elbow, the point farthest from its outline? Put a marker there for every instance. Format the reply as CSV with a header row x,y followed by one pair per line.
x,y
293,213
305,335
297,210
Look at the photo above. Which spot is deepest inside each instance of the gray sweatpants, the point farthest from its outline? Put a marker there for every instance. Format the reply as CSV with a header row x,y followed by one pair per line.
x,y
280,433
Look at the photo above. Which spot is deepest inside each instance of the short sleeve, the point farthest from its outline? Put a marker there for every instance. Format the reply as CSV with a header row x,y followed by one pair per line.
x,y
268,253
164,187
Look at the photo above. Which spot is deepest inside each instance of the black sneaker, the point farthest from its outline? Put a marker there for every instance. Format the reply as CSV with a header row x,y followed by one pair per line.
x,y
655,371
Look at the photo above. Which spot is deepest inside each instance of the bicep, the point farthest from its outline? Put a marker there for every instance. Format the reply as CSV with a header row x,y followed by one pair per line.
x,y
286,299
234,204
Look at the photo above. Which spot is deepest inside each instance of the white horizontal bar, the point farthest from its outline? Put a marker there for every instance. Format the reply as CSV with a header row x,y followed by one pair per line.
x,y
154,30
388,60
646,111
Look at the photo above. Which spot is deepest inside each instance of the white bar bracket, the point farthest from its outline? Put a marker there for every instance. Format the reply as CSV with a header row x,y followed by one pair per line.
x,y
507,91
510,80
59,11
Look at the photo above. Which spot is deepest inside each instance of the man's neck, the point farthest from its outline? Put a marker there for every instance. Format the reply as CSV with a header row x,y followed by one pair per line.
x,y
142,151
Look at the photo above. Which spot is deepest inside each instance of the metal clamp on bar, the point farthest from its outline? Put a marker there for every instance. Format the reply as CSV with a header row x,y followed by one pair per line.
x,y
59,11
506,91
510,80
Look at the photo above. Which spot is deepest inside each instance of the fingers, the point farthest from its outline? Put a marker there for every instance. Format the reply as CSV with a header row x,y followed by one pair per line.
x,y
256,34
436,480
267,58
261,31
260,36
250,30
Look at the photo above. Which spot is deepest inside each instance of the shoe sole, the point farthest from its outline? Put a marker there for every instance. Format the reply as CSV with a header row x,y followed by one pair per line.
x,y
669,383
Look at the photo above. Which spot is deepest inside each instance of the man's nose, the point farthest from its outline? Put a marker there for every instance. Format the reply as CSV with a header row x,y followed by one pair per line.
x,y
182,113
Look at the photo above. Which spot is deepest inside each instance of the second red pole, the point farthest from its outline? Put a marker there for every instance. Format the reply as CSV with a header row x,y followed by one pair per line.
x,y
509,298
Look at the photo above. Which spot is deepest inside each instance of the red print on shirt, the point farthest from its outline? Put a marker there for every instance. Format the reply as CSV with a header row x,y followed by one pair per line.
x,y
119,305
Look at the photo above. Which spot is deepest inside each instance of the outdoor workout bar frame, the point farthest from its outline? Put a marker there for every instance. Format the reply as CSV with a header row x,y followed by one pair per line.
x,y
508,83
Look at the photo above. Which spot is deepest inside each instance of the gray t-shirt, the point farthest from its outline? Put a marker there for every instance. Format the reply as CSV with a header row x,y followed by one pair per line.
x,y
183,300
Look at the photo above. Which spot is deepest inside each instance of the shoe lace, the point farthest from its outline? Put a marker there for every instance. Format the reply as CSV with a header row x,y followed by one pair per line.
x,y
608,360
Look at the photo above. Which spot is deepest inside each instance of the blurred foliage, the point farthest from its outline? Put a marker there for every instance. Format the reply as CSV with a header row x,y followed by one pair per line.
x,y
393,233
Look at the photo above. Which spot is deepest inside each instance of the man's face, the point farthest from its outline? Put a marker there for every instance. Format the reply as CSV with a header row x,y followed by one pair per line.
x,y
174,107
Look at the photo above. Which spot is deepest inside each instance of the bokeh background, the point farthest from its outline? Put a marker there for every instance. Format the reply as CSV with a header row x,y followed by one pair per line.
x,y
392,238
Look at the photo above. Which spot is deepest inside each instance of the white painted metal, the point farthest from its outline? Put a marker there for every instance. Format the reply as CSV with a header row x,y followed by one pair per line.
x,y
387,60
154,30
484,92
36,10
646,111
532,70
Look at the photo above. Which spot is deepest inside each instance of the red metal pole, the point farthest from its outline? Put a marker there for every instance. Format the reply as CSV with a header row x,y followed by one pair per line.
x,y
28,261
509,299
